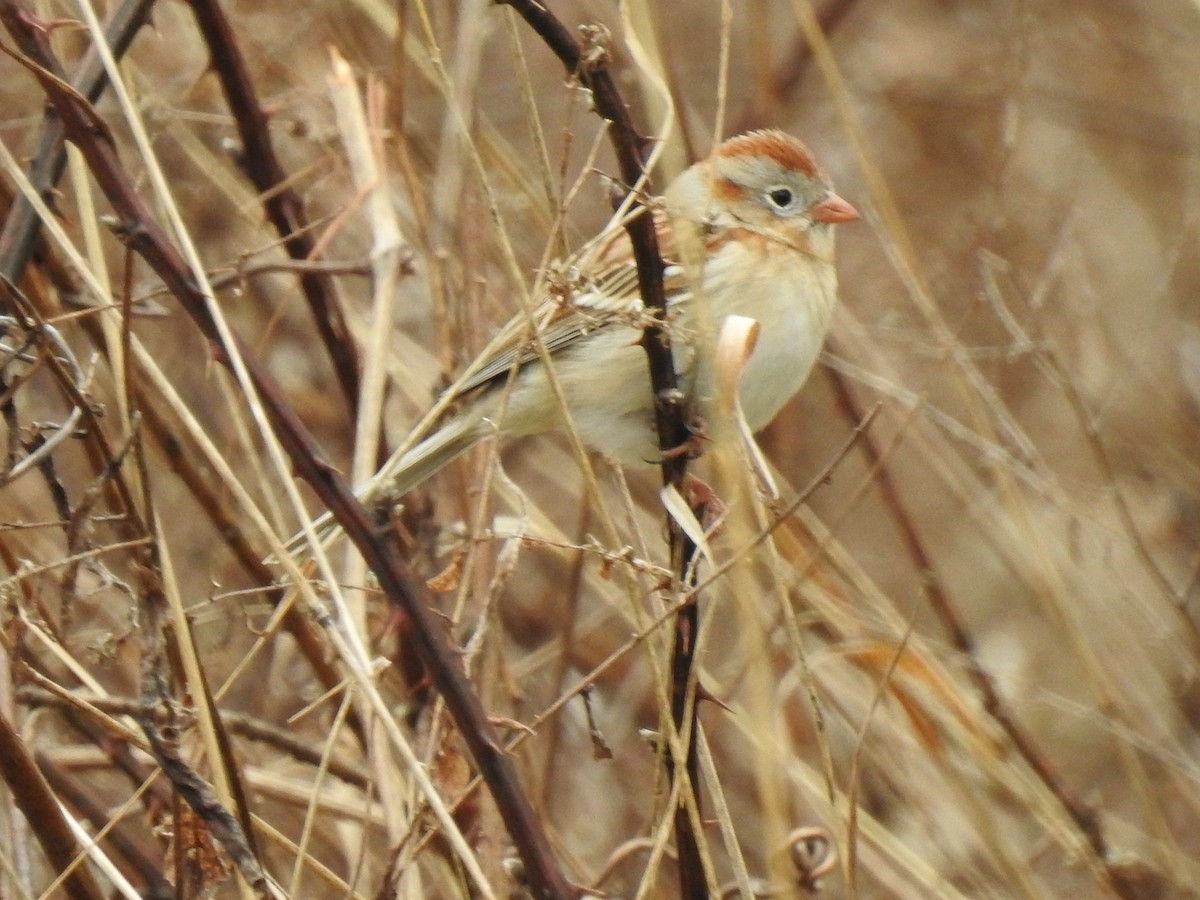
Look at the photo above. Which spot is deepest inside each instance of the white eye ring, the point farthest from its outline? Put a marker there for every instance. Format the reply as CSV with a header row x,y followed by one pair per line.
x,y
781,197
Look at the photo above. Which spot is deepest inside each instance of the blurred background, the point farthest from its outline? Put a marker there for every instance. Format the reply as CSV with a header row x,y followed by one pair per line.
x,y
965,667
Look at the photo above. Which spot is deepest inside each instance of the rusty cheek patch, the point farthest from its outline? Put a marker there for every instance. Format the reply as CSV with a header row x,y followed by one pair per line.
x,y
728,191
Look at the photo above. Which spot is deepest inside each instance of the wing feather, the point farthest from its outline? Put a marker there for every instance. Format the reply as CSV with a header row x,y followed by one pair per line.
x,y
598,289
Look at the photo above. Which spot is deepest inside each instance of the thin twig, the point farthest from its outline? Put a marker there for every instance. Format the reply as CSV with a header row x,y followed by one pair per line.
x,y
45,334
961,639
32,795
18,238
143,234
200,796
78,793
243,724
283,205
590,68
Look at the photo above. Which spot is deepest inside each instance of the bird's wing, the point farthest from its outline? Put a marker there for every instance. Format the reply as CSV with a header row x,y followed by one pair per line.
x,y
597,288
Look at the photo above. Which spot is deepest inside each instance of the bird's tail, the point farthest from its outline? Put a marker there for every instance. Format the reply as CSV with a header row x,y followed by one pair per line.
x,y
403,472
408,469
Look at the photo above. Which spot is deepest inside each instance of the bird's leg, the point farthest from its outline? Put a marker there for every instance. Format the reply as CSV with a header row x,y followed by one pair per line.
x,y
693,447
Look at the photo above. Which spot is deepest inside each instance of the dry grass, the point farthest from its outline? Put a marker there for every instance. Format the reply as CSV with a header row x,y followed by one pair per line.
x,y
968,661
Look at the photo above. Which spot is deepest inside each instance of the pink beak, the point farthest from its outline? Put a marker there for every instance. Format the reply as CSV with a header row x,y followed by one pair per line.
x,y
834,209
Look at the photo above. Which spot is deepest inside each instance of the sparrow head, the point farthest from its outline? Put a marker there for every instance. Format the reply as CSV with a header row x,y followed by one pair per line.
x,y
764,180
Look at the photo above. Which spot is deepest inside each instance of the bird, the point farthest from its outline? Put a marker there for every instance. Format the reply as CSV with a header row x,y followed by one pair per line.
x,y
747,231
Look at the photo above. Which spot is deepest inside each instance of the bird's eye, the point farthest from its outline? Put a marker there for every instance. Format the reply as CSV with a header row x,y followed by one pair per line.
x,y
780,197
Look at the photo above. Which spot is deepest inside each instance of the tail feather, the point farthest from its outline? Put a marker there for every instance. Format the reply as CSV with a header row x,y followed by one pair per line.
x,y
403,472
407,470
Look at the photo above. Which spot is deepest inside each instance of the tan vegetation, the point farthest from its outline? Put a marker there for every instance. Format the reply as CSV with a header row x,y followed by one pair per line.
x,y
964,666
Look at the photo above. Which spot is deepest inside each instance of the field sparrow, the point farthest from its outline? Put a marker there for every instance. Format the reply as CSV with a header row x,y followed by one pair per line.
x,y
762,213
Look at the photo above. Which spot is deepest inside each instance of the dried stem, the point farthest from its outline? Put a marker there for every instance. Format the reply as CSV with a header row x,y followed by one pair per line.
x,y
142,233
79,794
669,418
19,236
17,242
960,638
280,201
38,804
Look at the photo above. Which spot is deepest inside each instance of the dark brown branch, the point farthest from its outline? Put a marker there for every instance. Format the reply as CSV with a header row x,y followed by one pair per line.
x,y
630,148
199,795
207,491
160,655
18,240
282,204
38,804
250,727
19,237
589,66
960,638
78,795
146,237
